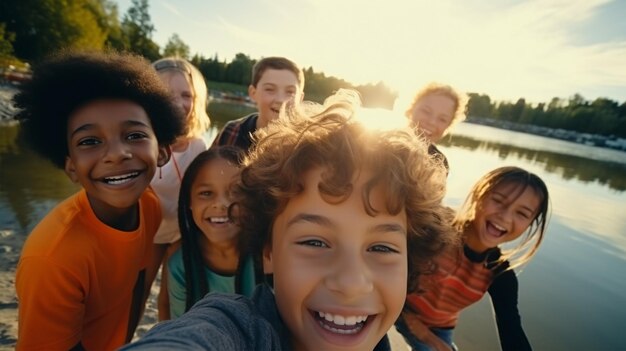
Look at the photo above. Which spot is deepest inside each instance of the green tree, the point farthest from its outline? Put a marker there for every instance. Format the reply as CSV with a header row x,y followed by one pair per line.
x,y
116,38
239,69
212,69
138,28
44,26
6,46
479,105
175,46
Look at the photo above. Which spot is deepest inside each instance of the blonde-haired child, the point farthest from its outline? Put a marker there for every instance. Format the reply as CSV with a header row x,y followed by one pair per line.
x,y
435,109
189,91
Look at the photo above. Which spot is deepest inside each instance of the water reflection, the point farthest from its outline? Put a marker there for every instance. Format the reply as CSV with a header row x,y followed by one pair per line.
x,y
586,170
27,182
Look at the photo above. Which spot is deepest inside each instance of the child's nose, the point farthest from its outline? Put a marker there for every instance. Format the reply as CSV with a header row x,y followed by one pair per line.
x,y
350,276
117,151
283,97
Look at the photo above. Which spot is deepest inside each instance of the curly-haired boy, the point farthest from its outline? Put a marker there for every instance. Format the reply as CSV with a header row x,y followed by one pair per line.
x,y
345,218
107,120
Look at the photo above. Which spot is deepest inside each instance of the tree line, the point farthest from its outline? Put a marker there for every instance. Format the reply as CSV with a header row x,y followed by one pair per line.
x,y
601,116
32,29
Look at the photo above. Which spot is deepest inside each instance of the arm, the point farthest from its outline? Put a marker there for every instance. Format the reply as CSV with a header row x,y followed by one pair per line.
x,y
51,305
504,293
176,288
217,322
423,333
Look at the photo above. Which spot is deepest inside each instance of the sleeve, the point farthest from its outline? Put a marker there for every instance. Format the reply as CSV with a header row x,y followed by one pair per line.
x,y
51,305
217,322
218,138
176,288
504,295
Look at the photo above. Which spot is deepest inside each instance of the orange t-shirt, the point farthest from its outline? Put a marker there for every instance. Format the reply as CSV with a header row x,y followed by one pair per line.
x,y
76,275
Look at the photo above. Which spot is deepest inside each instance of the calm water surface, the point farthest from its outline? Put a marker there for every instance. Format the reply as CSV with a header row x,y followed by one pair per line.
x,y
572,294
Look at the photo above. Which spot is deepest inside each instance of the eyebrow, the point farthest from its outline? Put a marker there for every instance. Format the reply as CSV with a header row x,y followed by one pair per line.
x,y
88,126
325,222
311,218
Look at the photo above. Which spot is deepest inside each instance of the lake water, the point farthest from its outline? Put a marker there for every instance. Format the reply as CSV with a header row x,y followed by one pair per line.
x,y
572,294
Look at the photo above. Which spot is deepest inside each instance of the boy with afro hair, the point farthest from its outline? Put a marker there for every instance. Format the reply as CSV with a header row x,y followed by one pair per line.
x,y
108,121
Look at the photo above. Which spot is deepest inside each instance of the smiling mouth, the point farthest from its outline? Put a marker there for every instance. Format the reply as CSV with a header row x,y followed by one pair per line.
x,y
120,179
495,229
344,325
219,220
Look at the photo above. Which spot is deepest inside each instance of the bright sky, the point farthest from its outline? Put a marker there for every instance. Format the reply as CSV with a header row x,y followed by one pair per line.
x,y
536,49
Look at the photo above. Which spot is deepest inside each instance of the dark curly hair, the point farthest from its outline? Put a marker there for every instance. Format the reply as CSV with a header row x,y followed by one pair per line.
x,y
68,80
335,140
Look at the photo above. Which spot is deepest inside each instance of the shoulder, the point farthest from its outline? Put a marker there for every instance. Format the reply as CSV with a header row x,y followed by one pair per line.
x,y
149,203
504,283
60,229
197,145
216,322
175,262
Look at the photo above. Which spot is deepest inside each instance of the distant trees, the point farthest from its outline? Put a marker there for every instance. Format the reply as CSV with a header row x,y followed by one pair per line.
x,y
317,85
175,46
32,29
602,116
138,28
43,26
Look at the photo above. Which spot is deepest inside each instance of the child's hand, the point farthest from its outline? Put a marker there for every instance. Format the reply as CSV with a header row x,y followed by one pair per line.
x,y
424,334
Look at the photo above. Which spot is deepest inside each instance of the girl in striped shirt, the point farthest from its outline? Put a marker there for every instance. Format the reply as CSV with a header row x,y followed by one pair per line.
x,y
508,204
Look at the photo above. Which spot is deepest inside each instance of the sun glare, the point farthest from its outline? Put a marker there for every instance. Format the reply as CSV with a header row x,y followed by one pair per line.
x,y
381,119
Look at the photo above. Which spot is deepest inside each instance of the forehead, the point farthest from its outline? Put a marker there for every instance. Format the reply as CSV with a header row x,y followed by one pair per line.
x,y
438,101
217,169
107,113
175,76
281,77
518,194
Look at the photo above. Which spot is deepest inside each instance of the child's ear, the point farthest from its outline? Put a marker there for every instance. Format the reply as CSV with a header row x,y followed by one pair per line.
x,y
252,92
70,170
268,265
165,152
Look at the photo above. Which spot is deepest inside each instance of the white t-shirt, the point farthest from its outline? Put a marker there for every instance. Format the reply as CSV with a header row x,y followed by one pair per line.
x,y
166,184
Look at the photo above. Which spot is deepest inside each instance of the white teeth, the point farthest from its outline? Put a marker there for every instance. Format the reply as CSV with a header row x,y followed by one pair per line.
x,y
120,178
219,219
502,229
342,320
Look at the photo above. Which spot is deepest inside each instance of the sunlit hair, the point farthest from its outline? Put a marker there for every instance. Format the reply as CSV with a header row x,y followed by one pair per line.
x,y
196,284
331,137
69,80
198,120
531,239
460,101
277,63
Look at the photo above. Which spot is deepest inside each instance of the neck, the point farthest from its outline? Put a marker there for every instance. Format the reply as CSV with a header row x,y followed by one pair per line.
x,y
470,239
124,219
221,257
260,122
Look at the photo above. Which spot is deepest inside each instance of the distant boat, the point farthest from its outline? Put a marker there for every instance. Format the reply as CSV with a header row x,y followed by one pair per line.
x,y
15,77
